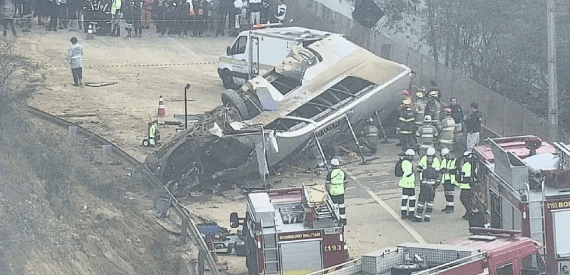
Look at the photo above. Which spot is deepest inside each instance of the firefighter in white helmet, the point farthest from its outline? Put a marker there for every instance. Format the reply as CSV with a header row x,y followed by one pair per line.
x,y
336,183
368,136
425,161
466,175
448,170
426,136
419,108
433,107
428,183
407,181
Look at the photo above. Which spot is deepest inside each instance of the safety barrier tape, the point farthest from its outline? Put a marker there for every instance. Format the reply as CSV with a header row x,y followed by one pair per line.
x,y
135,65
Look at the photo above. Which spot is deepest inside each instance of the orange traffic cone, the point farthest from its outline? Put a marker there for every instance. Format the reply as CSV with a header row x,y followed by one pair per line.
x,y
161,111
90,32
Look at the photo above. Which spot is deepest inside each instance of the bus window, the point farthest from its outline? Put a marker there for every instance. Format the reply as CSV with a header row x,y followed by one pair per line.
x,y
505,269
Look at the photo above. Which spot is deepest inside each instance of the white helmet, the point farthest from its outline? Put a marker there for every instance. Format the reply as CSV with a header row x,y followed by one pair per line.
x,y
335,162
431,151
444,152
410,152
427,118
467,153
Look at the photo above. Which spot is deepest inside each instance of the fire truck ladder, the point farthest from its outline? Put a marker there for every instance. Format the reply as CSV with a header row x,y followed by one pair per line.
x,y
270,251
536,218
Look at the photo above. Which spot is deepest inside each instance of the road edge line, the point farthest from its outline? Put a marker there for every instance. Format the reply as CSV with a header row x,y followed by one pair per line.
x,y
390,211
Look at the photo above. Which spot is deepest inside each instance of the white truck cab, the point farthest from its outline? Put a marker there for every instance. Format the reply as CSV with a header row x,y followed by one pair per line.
x,y
254,52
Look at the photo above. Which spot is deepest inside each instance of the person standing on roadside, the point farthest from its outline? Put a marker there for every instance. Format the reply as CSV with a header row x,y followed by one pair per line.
x,y
75,59
457,115
473,125
7,16
336,183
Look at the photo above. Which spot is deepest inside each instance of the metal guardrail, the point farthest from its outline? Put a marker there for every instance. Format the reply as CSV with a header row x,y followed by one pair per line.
x,y
188,224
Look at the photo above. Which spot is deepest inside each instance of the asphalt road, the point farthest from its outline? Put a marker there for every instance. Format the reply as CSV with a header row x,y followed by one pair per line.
x,y
373,206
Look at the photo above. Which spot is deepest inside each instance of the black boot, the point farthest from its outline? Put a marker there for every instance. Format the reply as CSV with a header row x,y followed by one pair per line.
x,y
414,219
404,214
450,210
411,215
426,219
445,209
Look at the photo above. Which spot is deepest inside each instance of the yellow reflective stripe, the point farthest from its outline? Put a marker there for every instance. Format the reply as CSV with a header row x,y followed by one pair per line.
x,y
448,128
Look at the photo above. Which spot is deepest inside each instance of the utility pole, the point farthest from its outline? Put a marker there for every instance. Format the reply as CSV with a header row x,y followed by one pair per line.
x,y
552,78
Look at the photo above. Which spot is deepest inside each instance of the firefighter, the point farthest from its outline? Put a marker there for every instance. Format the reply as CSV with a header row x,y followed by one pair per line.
x,y
446,130
369,136
408,184
433,107
426,135
152,134
406,126
406,96
419,108
448,170
429,181
466,178
336,183
430,157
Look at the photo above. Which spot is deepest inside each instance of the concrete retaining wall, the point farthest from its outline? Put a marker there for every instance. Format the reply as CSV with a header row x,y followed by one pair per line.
x,y
502,116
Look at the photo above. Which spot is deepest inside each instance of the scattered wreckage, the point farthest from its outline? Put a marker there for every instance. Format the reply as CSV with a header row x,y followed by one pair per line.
x,y
309,98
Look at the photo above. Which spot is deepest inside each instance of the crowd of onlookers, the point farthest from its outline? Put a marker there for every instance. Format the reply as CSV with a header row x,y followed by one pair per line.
x,y
171,17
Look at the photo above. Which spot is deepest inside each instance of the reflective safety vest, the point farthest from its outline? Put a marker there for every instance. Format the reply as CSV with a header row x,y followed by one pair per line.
x,y
466,176
152,133
408,169
449,165
424,164
337,182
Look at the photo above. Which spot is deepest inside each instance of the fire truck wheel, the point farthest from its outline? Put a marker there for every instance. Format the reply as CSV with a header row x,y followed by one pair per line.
x,y
405,269
231,98
145,142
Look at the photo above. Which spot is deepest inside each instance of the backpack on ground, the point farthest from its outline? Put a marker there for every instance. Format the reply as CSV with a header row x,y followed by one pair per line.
x,y
398,171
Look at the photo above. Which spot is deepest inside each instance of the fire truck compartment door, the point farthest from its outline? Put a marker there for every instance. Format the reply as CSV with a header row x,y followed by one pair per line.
x,y
561,236
301,257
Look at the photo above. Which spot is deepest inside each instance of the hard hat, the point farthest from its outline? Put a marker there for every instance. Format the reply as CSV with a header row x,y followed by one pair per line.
x,y
448,111
420,95
410,152
423,89
335,162
405,92
467,153
406,102
444,152
433,93
431,151
370,120
427,118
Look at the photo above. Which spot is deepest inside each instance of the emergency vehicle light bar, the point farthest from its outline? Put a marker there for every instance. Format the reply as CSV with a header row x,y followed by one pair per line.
x,y
491,231
268,25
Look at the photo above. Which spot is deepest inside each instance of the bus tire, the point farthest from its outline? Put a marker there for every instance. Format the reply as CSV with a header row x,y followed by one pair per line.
x,y
231,98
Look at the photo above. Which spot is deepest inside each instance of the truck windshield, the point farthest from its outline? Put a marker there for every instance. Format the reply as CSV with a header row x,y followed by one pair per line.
x,y
239,46
532,264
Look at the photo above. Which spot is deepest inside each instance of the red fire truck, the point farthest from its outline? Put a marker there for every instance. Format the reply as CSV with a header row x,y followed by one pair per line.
x,y
488,251
291,231
523,184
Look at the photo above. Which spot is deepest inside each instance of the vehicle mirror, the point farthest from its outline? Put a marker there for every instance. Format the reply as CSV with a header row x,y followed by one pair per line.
x,y
234,220
229,50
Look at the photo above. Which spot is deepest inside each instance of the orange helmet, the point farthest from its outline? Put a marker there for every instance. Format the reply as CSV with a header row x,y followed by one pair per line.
x,y
448,111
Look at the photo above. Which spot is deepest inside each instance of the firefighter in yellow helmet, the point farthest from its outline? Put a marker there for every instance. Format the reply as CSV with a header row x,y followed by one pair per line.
x,y
405,126
419,108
